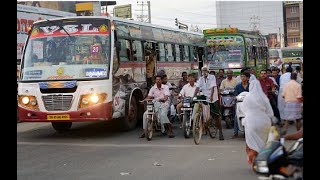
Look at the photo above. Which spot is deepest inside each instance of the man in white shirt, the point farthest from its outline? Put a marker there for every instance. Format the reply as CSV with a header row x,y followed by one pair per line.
x,y
208,85
186,91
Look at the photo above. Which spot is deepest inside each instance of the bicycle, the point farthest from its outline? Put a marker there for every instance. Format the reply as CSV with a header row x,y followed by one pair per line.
x,y
201,120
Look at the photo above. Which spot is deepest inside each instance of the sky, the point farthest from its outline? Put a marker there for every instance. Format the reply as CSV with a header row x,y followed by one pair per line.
x,y
164,12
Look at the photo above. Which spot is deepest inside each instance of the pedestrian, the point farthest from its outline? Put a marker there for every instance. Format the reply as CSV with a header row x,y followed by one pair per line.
x,y
257,121
183,81
292,93
284,79
220,77
208,84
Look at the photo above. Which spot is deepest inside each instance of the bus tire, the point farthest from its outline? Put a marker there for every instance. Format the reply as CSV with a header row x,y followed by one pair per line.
x,y
130,121
61,127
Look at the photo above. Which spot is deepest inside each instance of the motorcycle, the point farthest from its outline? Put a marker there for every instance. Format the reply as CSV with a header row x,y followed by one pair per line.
x,y
239,113
153,120
275,162
228,101
187,116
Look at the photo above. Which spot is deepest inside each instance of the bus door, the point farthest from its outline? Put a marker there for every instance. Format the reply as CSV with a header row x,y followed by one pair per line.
x,y
150,56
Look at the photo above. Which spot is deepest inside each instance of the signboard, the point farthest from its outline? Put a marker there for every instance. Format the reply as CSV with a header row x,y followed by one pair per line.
x,y
124,11
26,15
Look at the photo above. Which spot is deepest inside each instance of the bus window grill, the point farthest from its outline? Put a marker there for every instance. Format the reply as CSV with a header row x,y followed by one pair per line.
x,y
57,102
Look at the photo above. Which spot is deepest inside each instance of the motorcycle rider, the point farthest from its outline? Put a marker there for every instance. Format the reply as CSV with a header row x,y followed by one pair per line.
x,y
241,87
186,91
230,82
160,94
209,88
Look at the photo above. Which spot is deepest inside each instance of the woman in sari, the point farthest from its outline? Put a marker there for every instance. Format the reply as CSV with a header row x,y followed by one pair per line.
x,y
257,122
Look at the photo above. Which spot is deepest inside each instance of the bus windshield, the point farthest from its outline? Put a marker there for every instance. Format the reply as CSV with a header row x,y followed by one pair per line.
x,y
225,49
73,49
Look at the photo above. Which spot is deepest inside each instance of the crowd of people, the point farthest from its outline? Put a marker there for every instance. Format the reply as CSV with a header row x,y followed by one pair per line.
x,y
270,96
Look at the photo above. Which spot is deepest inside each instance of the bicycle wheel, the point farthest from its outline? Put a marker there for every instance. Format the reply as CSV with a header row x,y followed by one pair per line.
x,y
197,128
149,128
212,128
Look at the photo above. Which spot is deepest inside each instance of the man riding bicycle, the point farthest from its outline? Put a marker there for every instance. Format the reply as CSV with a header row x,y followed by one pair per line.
x,y
160,95
207,83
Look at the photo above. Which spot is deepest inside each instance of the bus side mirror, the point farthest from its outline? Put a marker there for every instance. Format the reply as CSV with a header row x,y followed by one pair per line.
x,y
118,45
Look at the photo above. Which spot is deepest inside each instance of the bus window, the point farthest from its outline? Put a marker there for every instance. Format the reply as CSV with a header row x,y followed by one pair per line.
x,y
186,53
169,53
191,53
181,48
195,53
177,53
252,56
162,52
137,50
125,51
173,52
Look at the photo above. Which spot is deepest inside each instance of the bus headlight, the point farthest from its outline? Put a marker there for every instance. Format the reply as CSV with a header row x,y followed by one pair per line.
x,y
29,102
87,100
94,98
25,100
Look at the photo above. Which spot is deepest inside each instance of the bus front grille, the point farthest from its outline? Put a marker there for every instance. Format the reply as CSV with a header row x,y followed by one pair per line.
x,y
57,102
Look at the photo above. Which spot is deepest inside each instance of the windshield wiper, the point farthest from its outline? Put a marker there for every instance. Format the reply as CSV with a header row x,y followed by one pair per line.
x,y
61,28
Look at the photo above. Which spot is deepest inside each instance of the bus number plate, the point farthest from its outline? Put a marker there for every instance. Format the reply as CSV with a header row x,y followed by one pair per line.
x,y
58,117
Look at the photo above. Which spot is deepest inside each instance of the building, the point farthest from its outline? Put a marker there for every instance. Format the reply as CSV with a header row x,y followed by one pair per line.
x,y
294,23
263,16
67,6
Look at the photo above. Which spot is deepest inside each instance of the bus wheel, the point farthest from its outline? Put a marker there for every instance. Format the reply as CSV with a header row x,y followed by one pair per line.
x,y
130,121
61,126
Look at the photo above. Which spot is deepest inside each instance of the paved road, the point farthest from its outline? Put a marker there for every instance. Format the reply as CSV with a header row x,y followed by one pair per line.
x,y
102,151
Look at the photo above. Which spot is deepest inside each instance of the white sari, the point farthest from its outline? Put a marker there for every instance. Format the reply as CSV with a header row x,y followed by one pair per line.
x,y
258,113
284,79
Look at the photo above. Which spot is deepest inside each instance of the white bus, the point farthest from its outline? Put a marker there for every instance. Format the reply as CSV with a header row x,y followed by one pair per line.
x,y
93,68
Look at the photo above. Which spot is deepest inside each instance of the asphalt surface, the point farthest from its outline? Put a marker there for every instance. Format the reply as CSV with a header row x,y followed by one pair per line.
x,y
102,151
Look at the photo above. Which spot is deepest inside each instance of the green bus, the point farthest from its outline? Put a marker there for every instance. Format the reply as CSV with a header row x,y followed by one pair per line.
x,y
230,48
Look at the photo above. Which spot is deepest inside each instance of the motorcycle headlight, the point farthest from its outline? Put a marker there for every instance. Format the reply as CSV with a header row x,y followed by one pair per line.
x,y
261,167
240,98
149,107
186,104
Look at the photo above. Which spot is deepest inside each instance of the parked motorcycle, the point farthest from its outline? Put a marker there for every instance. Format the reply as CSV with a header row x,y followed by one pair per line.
x,y
228,101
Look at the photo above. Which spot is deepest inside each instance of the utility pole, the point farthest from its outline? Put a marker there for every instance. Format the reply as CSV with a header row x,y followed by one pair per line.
x,y
280,37
284,24
149,11
255,25
142,17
